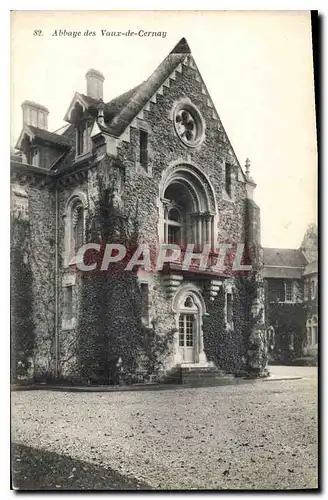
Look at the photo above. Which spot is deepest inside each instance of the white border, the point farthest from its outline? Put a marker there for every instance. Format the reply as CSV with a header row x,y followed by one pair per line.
x,y
320,5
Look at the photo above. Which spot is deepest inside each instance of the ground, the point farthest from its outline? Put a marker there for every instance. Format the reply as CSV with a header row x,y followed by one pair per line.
x,y
260,435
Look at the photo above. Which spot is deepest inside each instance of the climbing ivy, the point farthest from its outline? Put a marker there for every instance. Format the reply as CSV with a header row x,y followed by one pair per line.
x,y
229,347
288,321
112,341
21,300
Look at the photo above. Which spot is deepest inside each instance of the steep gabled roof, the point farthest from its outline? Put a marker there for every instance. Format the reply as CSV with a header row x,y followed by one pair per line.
x,y
143,93
124,108
283,257
115,106
44,135
49,136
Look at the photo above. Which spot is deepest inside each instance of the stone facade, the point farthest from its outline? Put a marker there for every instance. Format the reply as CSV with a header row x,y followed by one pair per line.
x,y
159,147
291,302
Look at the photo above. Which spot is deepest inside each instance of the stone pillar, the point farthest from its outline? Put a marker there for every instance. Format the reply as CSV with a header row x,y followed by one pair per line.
x,y
194,229
208,219
200,229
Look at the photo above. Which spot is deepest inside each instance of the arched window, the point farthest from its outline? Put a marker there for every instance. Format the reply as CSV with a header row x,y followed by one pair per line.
x,y
74,226
78,226
78,117
188,209
173,225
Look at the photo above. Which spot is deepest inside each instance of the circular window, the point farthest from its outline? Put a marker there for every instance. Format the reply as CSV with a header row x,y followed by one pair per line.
x,y
189,124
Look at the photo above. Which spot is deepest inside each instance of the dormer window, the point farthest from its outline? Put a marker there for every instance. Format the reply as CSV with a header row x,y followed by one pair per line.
x,y
82,139
80,133
31,155
78,117
34,157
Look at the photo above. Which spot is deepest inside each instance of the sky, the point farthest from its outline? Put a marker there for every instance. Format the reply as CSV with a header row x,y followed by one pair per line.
x,y
257,66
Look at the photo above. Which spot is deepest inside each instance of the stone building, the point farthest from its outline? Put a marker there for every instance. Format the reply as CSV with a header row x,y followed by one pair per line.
x,y
162,153
291,301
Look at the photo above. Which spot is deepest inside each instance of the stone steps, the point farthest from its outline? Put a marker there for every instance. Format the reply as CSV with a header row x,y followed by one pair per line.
x,y
198,376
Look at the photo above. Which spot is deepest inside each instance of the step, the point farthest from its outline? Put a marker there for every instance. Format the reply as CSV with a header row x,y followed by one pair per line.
x,y
209,382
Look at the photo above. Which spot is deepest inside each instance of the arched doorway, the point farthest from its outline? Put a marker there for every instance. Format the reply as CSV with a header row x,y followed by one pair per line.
x,y
189,308
188,330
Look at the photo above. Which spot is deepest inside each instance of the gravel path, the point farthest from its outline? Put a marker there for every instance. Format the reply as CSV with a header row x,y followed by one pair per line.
x,y
261,435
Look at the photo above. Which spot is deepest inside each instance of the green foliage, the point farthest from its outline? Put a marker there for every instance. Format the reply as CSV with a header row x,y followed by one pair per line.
x,y
112,337
156,346
228,347
288,321
22,324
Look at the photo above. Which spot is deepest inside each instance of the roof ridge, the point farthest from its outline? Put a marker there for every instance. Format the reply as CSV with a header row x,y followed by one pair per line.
x,y
144,93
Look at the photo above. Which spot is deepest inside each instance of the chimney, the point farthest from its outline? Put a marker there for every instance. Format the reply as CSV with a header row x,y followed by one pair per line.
x,y
95,81
34,114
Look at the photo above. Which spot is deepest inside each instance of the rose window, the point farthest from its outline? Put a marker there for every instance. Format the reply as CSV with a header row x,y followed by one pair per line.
x,y
188,124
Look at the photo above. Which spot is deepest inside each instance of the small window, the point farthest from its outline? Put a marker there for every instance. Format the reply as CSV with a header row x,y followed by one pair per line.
x,y
306,290
229,308
143,143
144,302
228,171
68,303
288,292
313,289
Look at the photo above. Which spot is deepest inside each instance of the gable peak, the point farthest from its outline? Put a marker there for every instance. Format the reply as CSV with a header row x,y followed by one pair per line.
x,y
181,47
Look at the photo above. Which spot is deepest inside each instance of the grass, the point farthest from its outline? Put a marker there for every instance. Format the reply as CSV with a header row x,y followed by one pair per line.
x,y
34,469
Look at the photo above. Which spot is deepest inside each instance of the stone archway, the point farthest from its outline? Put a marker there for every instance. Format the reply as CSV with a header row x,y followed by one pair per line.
x,y
186,190
189,308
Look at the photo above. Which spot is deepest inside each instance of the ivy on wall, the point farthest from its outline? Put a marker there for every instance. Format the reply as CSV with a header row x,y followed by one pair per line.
x,y
112,340
229,348
21,300
288,321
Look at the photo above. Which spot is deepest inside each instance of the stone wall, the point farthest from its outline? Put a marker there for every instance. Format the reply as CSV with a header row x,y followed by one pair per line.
x,y
165,148
40,256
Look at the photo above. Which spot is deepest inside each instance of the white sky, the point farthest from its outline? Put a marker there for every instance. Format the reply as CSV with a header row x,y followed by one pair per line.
x,y
257,67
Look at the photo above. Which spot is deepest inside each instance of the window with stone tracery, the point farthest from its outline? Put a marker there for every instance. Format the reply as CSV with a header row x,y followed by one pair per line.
x,y
188,123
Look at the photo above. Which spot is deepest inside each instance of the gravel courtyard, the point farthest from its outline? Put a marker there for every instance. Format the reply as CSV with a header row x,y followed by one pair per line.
x,y
261,435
